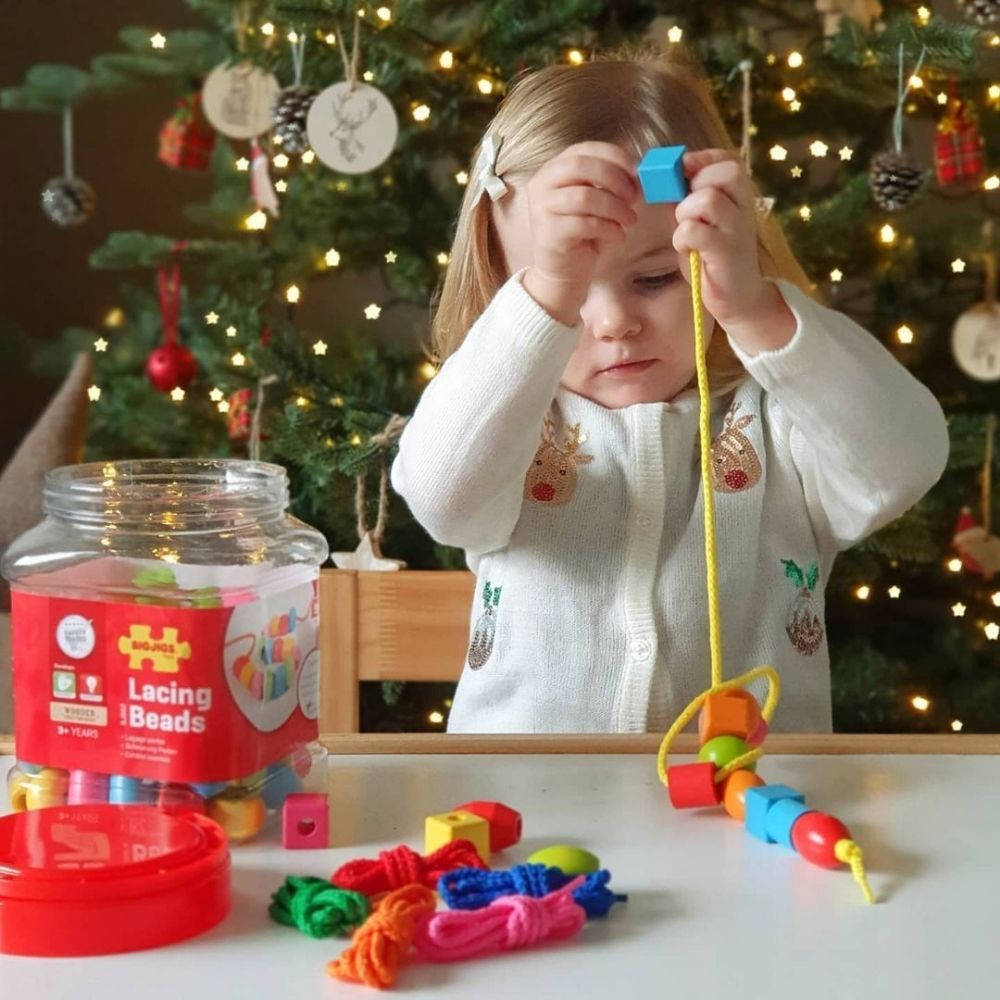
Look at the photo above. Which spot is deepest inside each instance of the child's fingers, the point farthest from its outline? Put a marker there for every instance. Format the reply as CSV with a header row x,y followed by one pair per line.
x,y
575,168
571,228
694,235
582,200
696,160
729,177
710,205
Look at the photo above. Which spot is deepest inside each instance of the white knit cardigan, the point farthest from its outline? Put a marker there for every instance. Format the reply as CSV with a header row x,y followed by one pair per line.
x,y
584,525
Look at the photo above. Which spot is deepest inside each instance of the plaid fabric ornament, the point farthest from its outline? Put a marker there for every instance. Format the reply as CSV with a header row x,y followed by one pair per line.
x,y
186,139
958,145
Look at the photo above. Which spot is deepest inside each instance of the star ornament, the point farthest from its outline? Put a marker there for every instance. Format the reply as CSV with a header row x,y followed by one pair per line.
x,y
367,556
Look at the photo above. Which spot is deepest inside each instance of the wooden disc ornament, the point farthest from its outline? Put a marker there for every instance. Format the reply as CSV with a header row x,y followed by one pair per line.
x,y
352,129
239,100
975,341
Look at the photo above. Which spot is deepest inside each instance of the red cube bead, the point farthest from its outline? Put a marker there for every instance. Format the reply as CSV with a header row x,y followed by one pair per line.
x,y
815,835
505,823
693,785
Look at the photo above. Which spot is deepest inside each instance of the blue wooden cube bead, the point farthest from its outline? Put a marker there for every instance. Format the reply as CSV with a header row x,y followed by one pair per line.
x,y
759,802
661,174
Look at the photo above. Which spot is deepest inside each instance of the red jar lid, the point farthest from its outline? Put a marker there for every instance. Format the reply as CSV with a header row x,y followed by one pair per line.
x,y
99,879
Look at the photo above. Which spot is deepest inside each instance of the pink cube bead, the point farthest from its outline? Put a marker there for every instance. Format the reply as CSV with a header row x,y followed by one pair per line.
x,y
305,821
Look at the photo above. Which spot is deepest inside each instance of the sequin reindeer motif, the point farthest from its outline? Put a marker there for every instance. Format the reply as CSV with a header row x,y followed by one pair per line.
x,y
803,624
481,647
735,465
551,479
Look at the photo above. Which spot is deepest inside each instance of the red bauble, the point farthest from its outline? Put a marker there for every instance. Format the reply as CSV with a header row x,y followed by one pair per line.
x,y
170,366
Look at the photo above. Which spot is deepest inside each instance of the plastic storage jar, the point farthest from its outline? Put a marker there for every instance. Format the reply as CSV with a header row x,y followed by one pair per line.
x,y
164,627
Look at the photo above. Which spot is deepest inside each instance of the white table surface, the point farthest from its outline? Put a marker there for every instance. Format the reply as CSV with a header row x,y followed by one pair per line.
x,y
712,913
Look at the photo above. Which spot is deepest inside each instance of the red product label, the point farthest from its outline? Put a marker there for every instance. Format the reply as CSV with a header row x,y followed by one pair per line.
x,y
165,693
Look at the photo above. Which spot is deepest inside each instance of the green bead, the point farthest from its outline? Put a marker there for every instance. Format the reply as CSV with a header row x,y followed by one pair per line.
x,y
723,749
569,860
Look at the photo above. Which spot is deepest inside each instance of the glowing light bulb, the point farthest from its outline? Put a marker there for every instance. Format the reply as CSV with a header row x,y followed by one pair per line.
x,y
94,393
920,703
955,565
256,221
331,258
574,57
421,113
887,234
485,85
778,153
238,360
158,41
836,274
819,148
447,59
292,294
795,59
863,592
675,34
319,348
100,345
904,334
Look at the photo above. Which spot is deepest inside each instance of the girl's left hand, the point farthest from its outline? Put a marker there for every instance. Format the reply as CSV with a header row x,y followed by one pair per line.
x,y
718,219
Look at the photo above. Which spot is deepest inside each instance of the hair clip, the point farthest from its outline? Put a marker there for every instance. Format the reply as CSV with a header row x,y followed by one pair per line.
x,y
485,168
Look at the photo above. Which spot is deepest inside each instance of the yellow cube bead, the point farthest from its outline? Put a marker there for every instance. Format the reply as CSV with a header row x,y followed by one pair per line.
x,y
445,827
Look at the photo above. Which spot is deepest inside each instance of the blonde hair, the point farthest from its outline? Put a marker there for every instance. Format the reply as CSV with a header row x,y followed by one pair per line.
x,y
636,98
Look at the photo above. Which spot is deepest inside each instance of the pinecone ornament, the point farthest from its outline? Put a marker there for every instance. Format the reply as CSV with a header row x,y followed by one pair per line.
x,y
983,12
481,647
290,111
68,201
894,179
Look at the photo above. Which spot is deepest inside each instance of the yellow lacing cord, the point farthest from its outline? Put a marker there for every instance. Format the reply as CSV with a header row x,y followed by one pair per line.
x,y
711,564
846,851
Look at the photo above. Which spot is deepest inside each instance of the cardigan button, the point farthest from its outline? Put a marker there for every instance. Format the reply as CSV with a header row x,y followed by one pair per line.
x,y
641,649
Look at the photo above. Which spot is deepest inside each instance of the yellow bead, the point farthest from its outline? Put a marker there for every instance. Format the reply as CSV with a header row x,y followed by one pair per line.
x,y
17,791
241,816
445,827
47,788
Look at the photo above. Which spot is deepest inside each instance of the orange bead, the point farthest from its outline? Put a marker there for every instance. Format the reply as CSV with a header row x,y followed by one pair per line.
x,y
728,713
734,790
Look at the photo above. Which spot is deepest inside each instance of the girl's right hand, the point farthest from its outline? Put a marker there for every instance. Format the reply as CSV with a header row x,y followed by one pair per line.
x,y
578,201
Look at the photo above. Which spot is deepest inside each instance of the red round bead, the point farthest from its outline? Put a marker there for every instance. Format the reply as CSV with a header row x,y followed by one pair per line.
x,y
693,785
815,835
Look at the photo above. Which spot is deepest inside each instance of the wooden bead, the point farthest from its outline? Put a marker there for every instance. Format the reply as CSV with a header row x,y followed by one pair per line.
x,y
241,816
569,860
734,789
723,749
17,791
444,828
505,823
728,713
815,835
693,785
47,788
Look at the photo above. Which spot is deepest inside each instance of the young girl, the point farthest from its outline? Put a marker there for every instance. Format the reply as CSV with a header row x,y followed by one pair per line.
x,y
558,443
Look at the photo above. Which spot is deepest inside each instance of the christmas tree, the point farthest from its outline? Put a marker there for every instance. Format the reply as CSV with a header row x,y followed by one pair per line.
x,y
870,125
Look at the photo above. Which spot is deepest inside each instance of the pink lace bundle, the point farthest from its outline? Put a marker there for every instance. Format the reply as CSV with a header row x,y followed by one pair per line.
x,y
507,923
